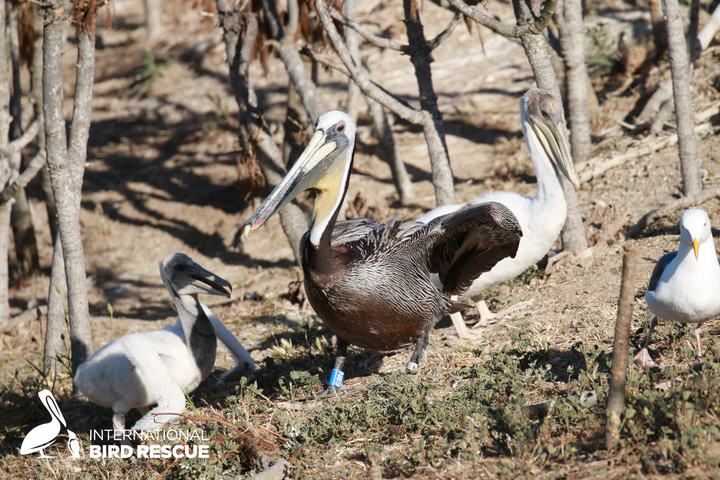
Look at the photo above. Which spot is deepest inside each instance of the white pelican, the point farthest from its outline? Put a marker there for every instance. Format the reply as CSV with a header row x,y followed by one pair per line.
x,y
142,369
541,217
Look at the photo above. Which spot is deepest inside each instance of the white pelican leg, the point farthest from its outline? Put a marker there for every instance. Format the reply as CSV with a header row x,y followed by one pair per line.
x,y
156,378
489,318
462,330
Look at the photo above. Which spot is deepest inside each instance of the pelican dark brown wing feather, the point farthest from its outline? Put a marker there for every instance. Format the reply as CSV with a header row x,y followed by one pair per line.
x,y
470,242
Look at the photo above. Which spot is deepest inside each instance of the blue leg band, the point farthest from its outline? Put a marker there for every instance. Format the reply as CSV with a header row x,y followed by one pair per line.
x,y
336,378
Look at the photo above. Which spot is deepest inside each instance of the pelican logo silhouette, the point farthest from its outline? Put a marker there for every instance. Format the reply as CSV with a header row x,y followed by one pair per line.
x,y
45,435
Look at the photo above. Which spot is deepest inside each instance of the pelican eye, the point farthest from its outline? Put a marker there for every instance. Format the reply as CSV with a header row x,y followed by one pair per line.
x,y
340,128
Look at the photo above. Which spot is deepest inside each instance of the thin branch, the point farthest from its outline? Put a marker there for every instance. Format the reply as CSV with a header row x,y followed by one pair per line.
x,y
445,34
360,78
27,137
329,62
482,16
376,40
597,166
539,25
21,182
325,60
618,372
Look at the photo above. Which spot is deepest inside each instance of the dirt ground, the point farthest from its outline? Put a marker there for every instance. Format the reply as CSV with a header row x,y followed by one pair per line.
x,y
161,177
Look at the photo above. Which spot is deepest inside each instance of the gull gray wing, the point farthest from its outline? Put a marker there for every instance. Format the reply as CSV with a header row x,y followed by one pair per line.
x,y
465,244
660,268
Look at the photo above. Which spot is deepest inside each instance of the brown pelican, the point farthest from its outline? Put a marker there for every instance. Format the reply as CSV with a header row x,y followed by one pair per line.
x,y
161,367
370,283
684,285
542,216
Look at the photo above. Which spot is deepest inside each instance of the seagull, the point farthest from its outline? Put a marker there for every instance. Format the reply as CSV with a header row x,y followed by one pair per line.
x,y
542,216
685,285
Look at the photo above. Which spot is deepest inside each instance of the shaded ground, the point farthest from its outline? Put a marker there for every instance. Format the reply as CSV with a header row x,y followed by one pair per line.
x,y
161,177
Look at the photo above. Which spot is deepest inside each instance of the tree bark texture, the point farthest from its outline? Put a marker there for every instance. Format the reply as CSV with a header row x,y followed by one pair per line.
x,y
36,72
153,17
658,28
352,105
680,70
573,232
239,32
291,57
434,130
572,39
66,164
55,312
391,152
21,220
417,117
662,95
297,119
5,120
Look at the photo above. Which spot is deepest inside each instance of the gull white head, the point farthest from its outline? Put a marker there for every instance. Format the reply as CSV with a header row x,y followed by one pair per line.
x,y
543,123
324,166
695,229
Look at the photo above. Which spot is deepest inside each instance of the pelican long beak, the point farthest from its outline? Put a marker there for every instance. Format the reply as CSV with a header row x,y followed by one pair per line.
x,y
554,139
696,247
194,279
316,166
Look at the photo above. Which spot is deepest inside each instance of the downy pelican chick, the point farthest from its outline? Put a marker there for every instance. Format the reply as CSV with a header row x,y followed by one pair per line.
x,y
142,369
685,284
541,217
370,283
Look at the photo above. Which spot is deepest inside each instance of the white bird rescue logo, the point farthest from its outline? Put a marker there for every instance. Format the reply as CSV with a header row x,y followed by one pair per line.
x,y
42,436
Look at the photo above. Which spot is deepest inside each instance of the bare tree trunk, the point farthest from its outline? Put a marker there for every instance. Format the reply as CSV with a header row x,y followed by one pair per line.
x,y
658,27
297,119
55,312
657,105
572,39
353,92
239,32
291,58
573,232
66,163
391,153
5,120
21,220
36,69
680,70
153,17
428,116
421,59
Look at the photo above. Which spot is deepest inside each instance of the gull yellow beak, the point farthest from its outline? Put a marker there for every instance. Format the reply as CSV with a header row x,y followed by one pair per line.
x,y
696,247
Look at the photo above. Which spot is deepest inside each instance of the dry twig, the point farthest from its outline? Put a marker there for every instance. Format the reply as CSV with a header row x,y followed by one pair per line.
x,y
616,397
